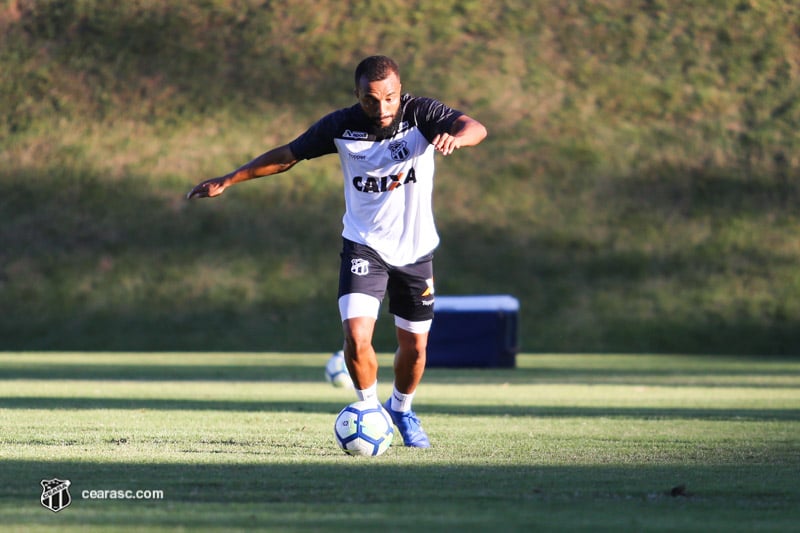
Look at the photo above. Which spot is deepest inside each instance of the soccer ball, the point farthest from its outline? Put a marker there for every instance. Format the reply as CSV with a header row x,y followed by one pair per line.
x,y
336,371
363,428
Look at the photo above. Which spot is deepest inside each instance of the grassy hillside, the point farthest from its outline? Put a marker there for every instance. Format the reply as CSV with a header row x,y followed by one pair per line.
x,y
637,191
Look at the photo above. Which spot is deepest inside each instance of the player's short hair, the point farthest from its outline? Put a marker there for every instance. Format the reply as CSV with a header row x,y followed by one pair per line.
x,y
376,68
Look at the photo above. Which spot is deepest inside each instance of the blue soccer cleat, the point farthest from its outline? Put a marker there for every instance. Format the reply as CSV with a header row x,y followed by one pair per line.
x,y
409,426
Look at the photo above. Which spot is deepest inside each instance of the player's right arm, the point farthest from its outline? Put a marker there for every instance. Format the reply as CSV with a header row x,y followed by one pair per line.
x,y
277,160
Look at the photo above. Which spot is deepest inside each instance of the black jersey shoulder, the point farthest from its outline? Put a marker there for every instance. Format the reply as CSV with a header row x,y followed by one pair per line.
x,y
428,115
318,140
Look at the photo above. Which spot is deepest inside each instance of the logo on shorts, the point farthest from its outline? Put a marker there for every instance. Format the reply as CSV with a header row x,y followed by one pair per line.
x,y
359,267
55,494
429,291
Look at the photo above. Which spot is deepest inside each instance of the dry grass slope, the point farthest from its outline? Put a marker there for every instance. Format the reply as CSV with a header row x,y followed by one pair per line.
x,y
636,191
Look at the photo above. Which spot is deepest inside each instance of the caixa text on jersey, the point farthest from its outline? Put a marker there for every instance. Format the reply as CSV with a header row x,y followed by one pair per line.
x,y
384,183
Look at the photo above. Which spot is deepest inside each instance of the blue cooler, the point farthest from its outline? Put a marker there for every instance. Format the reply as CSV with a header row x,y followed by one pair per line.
x,y
474,331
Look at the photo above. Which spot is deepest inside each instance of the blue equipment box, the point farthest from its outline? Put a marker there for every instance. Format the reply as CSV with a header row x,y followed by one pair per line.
x,y
474,331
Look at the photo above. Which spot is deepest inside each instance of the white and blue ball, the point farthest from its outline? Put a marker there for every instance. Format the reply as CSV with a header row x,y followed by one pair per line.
x,y
363,428
336,371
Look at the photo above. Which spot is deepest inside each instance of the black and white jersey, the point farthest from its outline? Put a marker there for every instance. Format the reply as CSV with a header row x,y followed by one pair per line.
x,y
388,183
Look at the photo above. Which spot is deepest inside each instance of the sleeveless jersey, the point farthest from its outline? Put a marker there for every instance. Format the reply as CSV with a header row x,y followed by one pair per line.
x,y
388,183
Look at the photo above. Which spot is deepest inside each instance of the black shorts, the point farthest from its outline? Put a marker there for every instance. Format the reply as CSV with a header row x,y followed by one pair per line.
x,y
410,287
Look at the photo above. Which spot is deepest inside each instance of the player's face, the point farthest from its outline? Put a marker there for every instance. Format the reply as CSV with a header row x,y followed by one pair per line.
x,y
380,99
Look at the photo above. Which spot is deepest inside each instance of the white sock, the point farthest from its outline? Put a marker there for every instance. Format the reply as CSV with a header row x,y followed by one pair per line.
x,y
401,402
370,394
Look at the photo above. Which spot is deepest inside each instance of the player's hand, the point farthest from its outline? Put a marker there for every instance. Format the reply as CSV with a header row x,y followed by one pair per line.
x,y
446,144
208,188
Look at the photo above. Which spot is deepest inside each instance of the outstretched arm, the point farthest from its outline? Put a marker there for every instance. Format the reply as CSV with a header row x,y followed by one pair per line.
x,y
465,131
275,161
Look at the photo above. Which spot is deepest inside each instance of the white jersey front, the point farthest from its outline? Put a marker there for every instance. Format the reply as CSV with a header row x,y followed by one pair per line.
x,y
388,183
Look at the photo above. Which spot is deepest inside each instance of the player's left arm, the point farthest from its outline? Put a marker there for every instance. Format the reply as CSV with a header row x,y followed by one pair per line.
x,y
465,131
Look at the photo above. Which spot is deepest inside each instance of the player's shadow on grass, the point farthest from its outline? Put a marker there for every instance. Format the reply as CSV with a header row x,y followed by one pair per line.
x,y
718,375
332,407
179,372
324,491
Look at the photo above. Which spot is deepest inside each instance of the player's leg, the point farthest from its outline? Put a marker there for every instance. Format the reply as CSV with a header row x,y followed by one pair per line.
x,y
362,284
411,301
362,363
409,366
409,360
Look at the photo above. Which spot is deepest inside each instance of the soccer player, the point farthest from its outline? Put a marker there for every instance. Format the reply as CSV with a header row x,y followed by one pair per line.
x,y
386,144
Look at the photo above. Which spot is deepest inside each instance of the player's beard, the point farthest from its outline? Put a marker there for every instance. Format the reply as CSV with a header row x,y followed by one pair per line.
x,y
384,132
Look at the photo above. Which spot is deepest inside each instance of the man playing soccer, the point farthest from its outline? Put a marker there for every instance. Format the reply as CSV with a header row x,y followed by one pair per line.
x,y
386,145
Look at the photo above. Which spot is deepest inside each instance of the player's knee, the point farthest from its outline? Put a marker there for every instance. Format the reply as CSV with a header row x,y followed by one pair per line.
x,y
358,342
419,351
357,346
413,345
419,346
358,330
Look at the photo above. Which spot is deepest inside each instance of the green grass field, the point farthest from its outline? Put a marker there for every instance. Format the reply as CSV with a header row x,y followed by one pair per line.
x,y
244,441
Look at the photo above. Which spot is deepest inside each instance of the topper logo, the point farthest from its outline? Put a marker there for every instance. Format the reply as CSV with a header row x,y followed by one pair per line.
x,y
350,134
